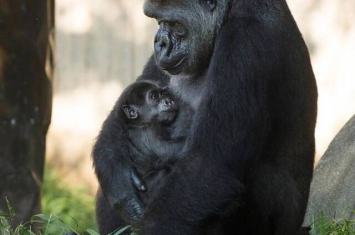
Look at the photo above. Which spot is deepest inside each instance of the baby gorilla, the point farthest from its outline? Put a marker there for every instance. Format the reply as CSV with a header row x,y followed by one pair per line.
x,y
157,127
154,125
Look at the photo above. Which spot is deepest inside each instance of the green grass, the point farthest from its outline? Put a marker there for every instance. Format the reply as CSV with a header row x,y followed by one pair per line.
x,y
77,204
330,226
43,225
39,224
65,209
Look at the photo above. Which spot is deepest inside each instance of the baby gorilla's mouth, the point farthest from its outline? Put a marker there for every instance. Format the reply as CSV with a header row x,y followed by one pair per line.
x,y
167,117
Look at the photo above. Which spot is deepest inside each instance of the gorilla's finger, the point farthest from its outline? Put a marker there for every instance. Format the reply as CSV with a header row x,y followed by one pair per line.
x,y
137,180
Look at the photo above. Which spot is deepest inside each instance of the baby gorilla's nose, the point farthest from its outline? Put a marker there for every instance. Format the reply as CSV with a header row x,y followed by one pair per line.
x,y
167,102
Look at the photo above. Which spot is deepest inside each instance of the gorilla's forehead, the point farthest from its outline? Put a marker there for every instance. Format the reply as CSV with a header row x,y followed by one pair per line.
x,y
170,2
168,9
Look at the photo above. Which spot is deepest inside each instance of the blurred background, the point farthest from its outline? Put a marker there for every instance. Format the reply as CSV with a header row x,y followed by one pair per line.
x,y
102,46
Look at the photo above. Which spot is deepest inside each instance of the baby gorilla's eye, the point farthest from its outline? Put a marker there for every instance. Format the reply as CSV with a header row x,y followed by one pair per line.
x,y
154,96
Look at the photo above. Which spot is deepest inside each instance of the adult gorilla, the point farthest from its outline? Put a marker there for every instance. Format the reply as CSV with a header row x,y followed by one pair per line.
x,y
248,163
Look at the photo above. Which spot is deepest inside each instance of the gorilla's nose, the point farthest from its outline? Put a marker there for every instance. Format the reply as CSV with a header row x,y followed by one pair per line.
x,y
162,43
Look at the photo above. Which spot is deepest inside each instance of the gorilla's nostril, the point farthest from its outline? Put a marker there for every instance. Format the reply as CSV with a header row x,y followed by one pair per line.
x,y
161,44
167,102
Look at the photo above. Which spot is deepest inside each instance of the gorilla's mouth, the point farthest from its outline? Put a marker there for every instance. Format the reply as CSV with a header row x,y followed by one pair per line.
x,y
171,68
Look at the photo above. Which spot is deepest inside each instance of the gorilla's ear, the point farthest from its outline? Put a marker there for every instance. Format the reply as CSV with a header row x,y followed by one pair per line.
x,y
131,113
211,4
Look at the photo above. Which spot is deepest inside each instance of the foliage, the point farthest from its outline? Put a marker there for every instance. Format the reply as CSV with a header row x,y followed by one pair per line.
x,y
76,203
65,209
327,226
39,224
42,225
72,202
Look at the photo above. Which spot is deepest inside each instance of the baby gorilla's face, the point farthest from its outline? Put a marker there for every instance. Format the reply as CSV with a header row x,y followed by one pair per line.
x,y
150,104
162,108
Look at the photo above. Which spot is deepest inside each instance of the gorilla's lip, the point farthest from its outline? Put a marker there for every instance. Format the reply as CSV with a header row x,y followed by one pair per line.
x,y
167,68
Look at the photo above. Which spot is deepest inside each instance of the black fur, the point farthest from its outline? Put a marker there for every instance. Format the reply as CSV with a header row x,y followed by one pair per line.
x,y
244,67
156,133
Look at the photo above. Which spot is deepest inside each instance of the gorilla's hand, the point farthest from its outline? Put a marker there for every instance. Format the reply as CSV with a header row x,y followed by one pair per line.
x,y
122,194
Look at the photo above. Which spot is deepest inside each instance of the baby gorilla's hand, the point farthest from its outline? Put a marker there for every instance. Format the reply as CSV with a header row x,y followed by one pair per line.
x,y
137,181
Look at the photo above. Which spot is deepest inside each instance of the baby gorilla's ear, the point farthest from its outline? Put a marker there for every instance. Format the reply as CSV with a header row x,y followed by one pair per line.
x,y
130,112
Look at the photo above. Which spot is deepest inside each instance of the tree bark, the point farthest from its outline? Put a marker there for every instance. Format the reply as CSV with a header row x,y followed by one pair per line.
x,y
26,73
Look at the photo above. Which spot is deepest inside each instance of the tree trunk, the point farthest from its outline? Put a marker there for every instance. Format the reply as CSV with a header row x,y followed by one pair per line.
x,y
26,72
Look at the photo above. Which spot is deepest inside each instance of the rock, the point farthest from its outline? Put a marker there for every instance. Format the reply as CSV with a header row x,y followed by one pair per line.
x,y
333,184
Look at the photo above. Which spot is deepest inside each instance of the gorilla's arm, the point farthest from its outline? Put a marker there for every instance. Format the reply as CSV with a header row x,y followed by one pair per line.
x,y
116,175
230,131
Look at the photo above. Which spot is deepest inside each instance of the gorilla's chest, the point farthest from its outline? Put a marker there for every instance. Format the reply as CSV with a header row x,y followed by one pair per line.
x,y
189,90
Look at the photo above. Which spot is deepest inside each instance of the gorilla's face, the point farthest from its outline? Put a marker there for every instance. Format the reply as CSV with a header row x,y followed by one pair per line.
x,y
187,28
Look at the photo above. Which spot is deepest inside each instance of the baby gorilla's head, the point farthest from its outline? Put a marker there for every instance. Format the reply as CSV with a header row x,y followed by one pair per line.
x,y
144,103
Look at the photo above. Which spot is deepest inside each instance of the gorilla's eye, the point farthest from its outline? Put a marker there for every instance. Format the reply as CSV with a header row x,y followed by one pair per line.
x,y
177,27
132,112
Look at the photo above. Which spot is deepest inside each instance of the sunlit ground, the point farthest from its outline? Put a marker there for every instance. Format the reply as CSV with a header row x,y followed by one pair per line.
x,y
79,112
